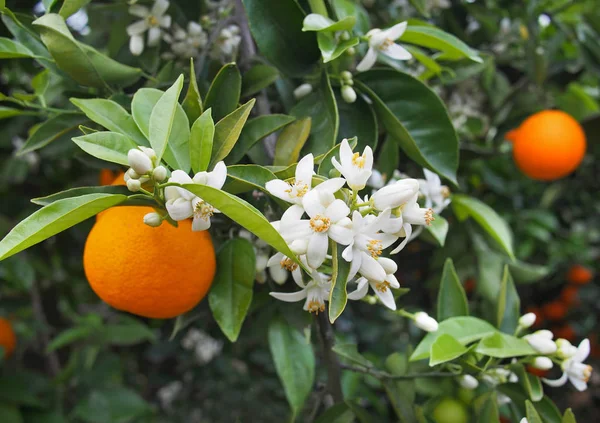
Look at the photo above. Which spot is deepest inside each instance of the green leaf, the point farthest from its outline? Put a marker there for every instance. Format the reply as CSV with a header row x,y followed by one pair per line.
x,y
438,229
532,414
244,178
131,332
545,407
569,417
415,116
430,64
338,296
8,112
40,82
77,192
530,383
294,361
401,393
69,7
242,213
320,23
464,329
277,29
445,348
345,8
53,219
508,305
109,146
332,48
81,62
338,413
290,142
10,414
502,345
112,116
255,130
231,293
452,300
350,352
465,206
10,49
228,130
201,141
258,77
177,153
434,38
321,107
224,93
358,120
488,408
162,118
51,130
325,164
69,336
192,103
114,404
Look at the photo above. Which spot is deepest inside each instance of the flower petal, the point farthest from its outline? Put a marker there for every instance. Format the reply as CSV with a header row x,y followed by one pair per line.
x,y
179,209
312,203
556,382
200,224
395,51
136,45
275,260
279,189
154,36
332,185
579,384
371,269
305,170
317,249
396,31
583,351
386,297
340,234
159,8
289,297
368,61
337,210
355,264
345,153
164,21
137,28
139,11
216,178
347,254
360,291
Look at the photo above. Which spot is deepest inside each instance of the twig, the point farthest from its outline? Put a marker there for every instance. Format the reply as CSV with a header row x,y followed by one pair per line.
x,y
38,311
334,386
383,375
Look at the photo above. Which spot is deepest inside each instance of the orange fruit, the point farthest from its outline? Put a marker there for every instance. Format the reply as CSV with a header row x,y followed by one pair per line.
x,y
152,272
554,310
548,145
568,295
579,275
106,177
565,331
8,340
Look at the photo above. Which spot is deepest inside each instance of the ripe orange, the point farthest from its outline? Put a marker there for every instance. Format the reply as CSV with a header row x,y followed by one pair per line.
x,y
152,272
554,310
8,340
106,177
548,145
579,275
568,295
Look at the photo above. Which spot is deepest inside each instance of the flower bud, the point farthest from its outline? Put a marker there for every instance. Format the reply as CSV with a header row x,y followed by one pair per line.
x,y
542,363
394,195
134,185
348,94
376,180
527,320
159,173
426,322
346,76
149,152
153,219
131,174
468,382
524,420
565,349
345,36
302,91
542,342
261,262
351,51
139,162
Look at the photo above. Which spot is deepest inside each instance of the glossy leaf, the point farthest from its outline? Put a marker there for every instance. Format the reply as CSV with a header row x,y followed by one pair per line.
x,y
8,112
128,332
192,103
452,300
40,82
224,93
502,345
321,107
290,142
10,413
438,229
415,116
320,23
350,352
51,130
294,361
332,48
244,178
338,413
530,383
488,409
569,417
358,120
228,130
69,336
257,78
231,293
79,191
345,8
545,407
464,329
532,414
10,49
508,309
53,219
69,7
465,206
338,296
201,141
434,38
445,348
109,146
277,29
162,118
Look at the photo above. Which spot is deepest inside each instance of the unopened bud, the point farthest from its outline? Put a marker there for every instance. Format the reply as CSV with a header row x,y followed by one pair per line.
x,y
542,342
345,36
159,173
348,94
527,320
468,382
134,185
565,348
426,322
351,51
261,262
542,363
131,174
139,161
346,76
302,91
153,219
394,195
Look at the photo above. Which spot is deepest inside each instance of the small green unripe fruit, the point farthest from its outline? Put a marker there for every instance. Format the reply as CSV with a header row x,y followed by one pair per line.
x,y
450,410
466,395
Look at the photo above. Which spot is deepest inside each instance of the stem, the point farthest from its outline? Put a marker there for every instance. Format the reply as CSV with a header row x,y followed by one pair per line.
x,y
38,311
334,385
384,375
318,6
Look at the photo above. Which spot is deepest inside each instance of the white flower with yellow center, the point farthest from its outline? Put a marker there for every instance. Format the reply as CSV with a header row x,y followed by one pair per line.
x,y
280,266
182,204
574,370
382,288
437,196
382,41
153,20
316,292
356,168
186,44
295,190
395,194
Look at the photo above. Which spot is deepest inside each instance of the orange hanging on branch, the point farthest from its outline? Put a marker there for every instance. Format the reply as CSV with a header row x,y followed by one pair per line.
x,y
8,340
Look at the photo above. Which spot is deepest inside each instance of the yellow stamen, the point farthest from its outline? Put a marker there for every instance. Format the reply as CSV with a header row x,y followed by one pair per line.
x,y
375,248
429,217
315,306
152,21
358,160
445,191
288,264
382,286
320,223
386,44
297,189
203,210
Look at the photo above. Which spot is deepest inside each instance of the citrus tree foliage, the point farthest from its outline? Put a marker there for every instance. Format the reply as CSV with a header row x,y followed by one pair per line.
x,y
346,155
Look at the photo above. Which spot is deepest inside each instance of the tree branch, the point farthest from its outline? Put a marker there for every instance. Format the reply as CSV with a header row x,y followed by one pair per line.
x,y
38,311
334,386
383,375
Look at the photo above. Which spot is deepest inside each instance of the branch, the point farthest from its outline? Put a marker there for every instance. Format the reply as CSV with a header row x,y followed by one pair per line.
x,y
383,375
334,386
38,311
